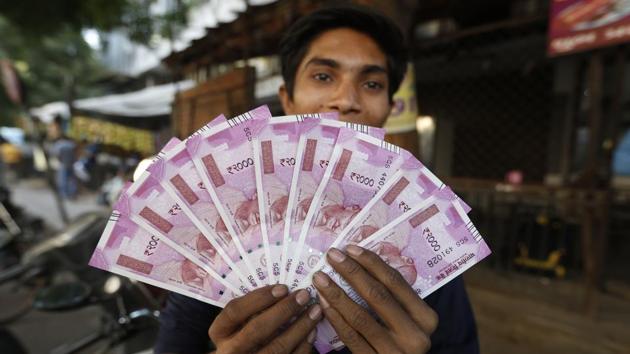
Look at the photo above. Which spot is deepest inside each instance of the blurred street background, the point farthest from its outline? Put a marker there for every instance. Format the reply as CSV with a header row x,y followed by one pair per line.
x,y
521,106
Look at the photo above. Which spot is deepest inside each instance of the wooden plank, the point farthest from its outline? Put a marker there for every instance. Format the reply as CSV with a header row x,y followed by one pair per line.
x,y
229,94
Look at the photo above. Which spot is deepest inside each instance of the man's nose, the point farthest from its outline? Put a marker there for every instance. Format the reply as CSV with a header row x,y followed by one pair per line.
x,y
345,99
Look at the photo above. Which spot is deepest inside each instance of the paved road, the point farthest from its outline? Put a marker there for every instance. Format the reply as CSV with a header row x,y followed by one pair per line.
x,y
36,198
521,314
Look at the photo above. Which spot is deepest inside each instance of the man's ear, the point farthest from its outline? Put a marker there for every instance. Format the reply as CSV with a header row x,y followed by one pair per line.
x,y
391,106
285,100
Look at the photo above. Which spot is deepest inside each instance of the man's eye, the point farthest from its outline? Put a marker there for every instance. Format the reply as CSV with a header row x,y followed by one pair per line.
x,y
322,77
373,85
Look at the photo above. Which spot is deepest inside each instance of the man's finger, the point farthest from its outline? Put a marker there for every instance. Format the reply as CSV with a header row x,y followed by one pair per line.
x,y
296,337
355,316
417,309
305,347
237,311
348,335
377,295
261,328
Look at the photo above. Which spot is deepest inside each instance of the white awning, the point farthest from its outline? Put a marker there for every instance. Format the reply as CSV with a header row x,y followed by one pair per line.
x,y
148,102
49,111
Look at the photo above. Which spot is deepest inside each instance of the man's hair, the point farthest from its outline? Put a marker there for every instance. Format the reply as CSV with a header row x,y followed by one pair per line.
x,y
382,30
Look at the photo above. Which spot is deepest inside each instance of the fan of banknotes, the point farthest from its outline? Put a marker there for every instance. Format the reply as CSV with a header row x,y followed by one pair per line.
x,y
258,200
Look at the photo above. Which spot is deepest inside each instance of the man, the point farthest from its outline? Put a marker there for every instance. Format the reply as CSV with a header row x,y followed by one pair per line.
x,y
349,60
65,150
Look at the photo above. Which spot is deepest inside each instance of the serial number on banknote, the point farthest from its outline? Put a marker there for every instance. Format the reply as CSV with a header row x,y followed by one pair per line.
x,y
248,133
439,257
241,165
383,179
388,162
461,241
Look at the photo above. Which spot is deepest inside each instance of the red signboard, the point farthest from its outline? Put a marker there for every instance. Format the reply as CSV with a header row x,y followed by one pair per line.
x,y
577,25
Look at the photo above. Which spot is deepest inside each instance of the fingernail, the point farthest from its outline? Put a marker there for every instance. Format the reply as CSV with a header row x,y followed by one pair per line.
x,y
311,337
354,250
302,297
323,302
315,313
321,280
336,255
279,290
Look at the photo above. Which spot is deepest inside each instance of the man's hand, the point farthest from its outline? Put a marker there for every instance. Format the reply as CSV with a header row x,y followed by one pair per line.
x,y
251,323
407,321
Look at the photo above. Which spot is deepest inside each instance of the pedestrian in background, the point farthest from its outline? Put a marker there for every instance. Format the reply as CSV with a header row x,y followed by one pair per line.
x,y
64,150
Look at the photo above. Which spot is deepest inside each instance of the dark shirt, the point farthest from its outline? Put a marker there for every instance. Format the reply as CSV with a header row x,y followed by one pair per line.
x,y
184,323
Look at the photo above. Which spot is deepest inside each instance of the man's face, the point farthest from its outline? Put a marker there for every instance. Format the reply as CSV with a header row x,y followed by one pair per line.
x,y
343,71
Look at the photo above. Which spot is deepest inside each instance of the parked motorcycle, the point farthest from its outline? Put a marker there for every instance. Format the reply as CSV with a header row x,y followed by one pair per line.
x,y
53,275
18,230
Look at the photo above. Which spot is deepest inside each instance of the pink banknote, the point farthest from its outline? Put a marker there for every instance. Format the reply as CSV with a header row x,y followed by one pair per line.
x,y
359,166
155,210
429,245
274,150
410,186
178,176
128,250
313,152
224,159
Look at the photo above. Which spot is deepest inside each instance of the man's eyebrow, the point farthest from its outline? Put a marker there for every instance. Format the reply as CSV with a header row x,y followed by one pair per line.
x,y
323,61
373,69
331,63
